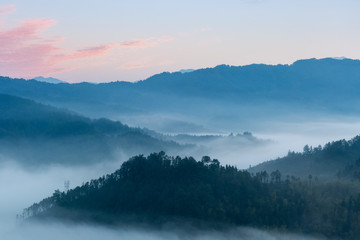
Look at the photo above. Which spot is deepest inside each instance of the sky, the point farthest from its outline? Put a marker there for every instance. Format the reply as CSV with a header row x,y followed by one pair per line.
x,y
103,41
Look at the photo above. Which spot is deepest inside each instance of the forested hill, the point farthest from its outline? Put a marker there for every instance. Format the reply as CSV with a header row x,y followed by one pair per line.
x,y
12,107
25,118
36,134
325,85
158,191
335,159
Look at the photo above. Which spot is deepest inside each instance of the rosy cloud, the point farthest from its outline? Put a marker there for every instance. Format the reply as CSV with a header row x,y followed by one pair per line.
x,y
149,42
7,9
26,52
21,50
28,31
84,53
102,49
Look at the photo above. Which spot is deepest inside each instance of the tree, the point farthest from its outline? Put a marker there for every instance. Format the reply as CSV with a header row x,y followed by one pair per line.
x,y
206,159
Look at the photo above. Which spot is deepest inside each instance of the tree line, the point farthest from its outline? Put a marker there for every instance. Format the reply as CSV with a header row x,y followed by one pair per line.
x,y
159,189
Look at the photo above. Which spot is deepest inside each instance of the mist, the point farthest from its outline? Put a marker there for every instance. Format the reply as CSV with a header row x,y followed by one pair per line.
x,y
277,131
20,187
57,230
273,141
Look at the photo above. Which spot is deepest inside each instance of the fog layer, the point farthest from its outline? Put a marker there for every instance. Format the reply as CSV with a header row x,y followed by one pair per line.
x,y
20,187
58,231
276,141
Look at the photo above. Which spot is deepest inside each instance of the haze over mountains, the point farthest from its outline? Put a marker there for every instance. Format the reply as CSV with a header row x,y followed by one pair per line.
x,y
270,100
48,135
205,112
180,120
335,159
34,134
220,98
48,80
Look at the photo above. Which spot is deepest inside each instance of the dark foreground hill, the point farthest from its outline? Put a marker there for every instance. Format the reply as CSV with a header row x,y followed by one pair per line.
x,y
162,191
34,134
335,159
221,96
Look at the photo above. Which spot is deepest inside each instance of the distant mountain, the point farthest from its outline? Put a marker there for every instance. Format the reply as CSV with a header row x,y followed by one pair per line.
x,y
34,134
49,80
224,96
335,159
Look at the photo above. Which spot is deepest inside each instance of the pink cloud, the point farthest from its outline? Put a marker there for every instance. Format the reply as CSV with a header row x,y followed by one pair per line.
x,y
85,53
29,30
135,43
149,42
7,9
21,50
26,52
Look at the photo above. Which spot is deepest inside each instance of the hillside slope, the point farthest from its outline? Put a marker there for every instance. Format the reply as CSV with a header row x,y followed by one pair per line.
x,y
35,134
335,159
162,191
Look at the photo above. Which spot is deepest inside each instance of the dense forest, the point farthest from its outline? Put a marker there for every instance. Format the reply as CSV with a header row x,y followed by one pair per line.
x,y
45,135
335,159
159,190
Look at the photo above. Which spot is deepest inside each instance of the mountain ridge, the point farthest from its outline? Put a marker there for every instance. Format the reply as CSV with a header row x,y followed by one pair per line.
x,y
49,80
335,159
48,135
312,86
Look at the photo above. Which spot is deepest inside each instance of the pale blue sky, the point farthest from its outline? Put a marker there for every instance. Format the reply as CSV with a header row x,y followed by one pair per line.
x,y
172,35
